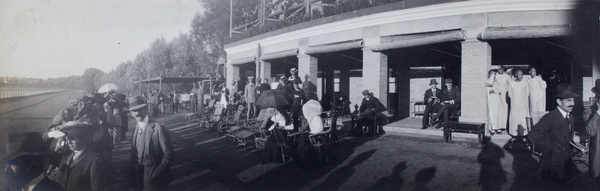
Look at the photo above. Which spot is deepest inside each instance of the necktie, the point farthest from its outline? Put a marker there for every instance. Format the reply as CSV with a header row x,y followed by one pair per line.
x,y
568,121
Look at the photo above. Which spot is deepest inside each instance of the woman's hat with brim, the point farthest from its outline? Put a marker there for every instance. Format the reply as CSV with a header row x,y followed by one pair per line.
x,y
83,129
136,103
564,91
596,88
25,144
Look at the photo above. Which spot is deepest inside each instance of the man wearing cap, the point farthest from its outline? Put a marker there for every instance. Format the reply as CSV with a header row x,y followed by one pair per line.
x,y
552,136
23,163
432,96
151,150
294,76
450,100
80,169
250,96
592,127
369,107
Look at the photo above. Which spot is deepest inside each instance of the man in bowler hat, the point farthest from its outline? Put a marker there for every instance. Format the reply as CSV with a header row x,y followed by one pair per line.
x,y
23,163
552,135
592,127
432,96
450,100
151,150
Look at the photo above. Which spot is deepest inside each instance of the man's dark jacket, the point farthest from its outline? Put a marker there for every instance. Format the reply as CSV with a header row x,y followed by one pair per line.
x,y
429,94
160,151
552,136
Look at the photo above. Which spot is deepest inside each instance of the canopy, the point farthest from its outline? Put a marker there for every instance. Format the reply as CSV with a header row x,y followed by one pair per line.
x,y
162,79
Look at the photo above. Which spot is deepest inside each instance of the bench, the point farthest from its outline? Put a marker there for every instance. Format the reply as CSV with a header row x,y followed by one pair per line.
x,y
463,127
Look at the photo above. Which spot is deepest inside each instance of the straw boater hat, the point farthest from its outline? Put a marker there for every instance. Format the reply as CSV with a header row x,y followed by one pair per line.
x,y
432,81
294,70
136,103
596,88
25,144
564,91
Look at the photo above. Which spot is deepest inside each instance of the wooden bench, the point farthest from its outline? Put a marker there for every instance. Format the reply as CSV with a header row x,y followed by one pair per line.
x,y
463,127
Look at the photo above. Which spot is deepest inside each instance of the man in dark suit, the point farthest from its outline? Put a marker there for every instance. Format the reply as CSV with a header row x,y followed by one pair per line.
x,y
151,149
592,127
431,99
370,110
450,100
80,169
23,163
552,136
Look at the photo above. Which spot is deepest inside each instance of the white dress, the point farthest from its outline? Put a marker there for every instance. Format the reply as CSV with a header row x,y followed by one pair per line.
x,y
519,108
503,82
537,95
494,104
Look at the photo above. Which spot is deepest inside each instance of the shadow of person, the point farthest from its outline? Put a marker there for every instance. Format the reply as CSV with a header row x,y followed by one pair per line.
x,y
524,165
423,177
341,175
491,176
310,89
392,182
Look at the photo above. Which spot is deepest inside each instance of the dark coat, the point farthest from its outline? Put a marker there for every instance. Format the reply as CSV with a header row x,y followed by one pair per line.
x,y
160,151
451,95
429,94
591,127
552,136
47,185
83,173
370,107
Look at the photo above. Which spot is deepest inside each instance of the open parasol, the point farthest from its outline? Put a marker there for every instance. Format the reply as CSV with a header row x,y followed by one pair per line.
x,y
108,87
272,98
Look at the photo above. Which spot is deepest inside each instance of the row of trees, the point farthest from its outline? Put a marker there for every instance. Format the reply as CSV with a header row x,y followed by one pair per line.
x,y
189,54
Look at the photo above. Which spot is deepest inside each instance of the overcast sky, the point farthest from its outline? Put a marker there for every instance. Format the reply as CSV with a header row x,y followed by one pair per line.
x,y
58,38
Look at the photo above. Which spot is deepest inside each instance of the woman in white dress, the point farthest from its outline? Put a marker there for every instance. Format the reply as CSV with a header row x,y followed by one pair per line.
x,y
537,93
494,102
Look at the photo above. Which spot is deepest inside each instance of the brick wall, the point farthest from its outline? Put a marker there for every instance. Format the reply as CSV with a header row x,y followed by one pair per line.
x,y
476,59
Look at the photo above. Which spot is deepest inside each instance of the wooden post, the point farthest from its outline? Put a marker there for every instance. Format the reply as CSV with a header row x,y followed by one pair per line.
x,y
230,18
307,7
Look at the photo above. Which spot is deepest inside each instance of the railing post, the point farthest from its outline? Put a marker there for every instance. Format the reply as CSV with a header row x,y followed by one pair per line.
x,y
307,7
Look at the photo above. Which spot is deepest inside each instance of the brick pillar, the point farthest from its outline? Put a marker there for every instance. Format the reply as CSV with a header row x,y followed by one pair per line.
x,y
375,74
233,73
307,71
265,70
476,60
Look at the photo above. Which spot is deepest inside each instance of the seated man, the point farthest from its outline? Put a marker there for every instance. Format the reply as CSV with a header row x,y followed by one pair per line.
x,y
370,109
450,100
431,101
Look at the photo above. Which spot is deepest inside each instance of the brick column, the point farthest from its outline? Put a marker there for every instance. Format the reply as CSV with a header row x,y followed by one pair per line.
x,y
233,73
375,74
476,60
265,69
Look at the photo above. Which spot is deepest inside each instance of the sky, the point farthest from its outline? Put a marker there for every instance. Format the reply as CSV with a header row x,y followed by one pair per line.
x,y
59,38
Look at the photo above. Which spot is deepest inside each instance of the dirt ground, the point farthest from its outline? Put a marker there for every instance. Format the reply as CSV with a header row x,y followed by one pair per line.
x,y
206,160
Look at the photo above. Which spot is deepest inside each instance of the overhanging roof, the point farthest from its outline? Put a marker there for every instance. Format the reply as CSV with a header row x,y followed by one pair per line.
x,y
162,79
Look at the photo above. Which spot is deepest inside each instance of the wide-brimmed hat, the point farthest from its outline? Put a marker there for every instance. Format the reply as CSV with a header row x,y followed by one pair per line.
x,y
365,92
293,70
564,91
137,102
25,144
432,81
596,88
448,80
84,128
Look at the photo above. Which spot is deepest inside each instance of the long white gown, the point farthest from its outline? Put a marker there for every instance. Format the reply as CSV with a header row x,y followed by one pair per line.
x,y
537,95
519,108
494,102
503,81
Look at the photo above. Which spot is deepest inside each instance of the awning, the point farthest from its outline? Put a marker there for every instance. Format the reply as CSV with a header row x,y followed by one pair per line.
x,y
334,47
494,33
251,59
411,40
279,54
162,79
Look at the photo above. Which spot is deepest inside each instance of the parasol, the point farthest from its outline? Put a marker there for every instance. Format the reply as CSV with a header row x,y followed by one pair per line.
x,y
108,87
272,98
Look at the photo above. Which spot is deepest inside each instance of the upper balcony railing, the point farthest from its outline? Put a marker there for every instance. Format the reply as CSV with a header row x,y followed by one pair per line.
x,y
252,18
